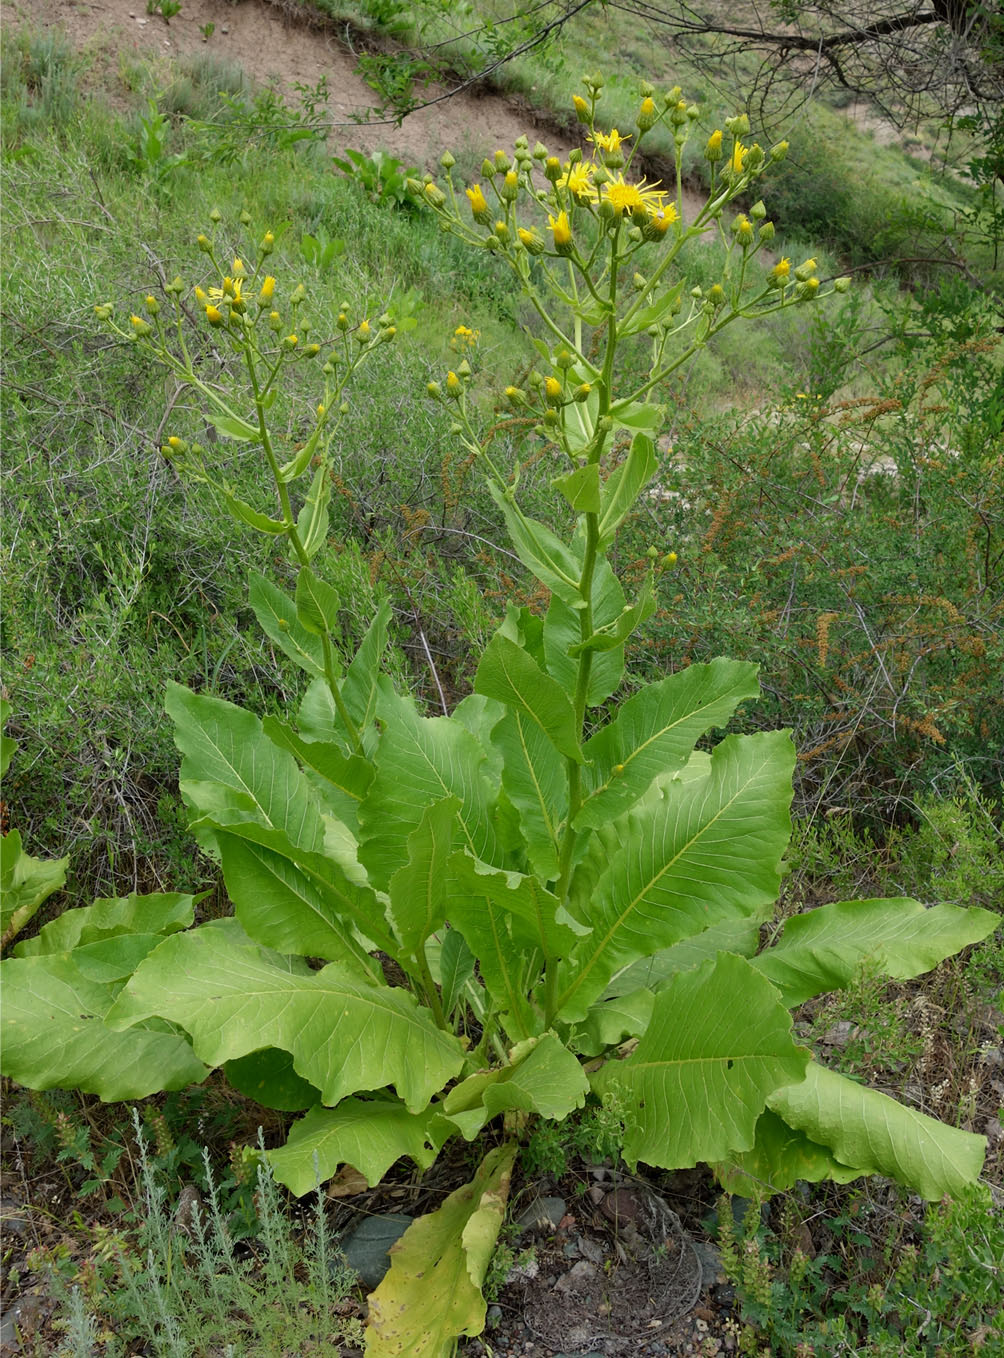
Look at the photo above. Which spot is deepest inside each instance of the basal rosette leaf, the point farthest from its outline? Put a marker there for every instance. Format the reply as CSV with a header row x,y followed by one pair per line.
x,y
701,851
55,1004
718,1044
655,731
338,780
25,883
420,761
345,1034
780,1157
824,949
740,936
865,1128
369,1134
268,1077
431,1295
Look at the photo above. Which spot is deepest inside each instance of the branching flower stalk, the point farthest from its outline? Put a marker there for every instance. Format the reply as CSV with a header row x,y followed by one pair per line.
x,y
242,313
602,223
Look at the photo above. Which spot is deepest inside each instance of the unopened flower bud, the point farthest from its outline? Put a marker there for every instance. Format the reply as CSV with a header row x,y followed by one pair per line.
x,y
510,186
274,321
434,195
487,169
550,418
501,232
139,326
716,295
479,206
739,126
299,293
454,386
640,282
742,229
267,289
646,114
807,290
540,151
713,150
103,311
502,162
841,284
678,113
779,276
266,244
669,560
779,151
311,351
290,342
434,391
806,270
530,241
176,287
204,244
758,211
447,161
177,445
581,392
581,109
387,334
552,169
766,232
363,332
213,315
515,397
216,216
652,553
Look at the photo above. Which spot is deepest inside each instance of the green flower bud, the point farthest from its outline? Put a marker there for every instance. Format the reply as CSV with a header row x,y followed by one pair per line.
x,y
669,560
434,195
311,351
299,293
274,322
290,342
267,244
415,187
563,359
434,391
841,284
742,229
204,244
487,169
342,321
510,186
540,151
447,161
245,218
103,311
140,328
176,287
640,282
779,151
550,418
216,216
652,553
581,393
502,162
766,232
515,397
552,169
806,270
716,295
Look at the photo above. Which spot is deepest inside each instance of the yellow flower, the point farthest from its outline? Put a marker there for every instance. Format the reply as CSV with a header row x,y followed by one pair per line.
x,y
713,150
552,389
626,197
214,316
739,154
267,289
561,231
510,186
230,290
609,141
660,221
578,180
454,385
581,108
479,206
239,270
779,275
646,114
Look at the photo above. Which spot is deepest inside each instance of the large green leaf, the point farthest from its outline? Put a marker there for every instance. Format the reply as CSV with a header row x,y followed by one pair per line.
x,y
542,1076
276,614
339,779
868,1129
563,630
511,676
158,913
554,564
418,888
318,718
231,771
7,745
368,1134
513,925
825,948
317,604
718,1043
432,1292
780,1158
534,779
655,731
702,851
422,760
25,882
740,936
344,1034
268,1077
55,1036
624,484
300,903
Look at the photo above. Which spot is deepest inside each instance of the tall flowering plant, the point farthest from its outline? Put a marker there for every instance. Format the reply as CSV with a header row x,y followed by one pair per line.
x,y
572,892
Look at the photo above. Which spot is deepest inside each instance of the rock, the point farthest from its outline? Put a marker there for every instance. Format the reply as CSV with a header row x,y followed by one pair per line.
x,y
366,1249
577,1276
712,1272
544,1214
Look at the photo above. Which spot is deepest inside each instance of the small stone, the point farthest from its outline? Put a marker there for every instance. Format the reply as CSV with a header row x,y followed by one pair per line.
x,y
544,1214
367,1248
578,1276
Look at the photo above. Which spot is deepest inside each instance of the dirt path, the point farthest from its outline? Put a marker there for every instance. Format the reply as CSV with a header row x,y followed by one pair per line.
x,y
282,52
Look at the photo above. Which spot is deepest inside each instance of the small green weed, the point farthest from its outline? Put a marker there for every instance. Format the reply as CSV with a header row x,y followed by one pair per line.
x,y
383,177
